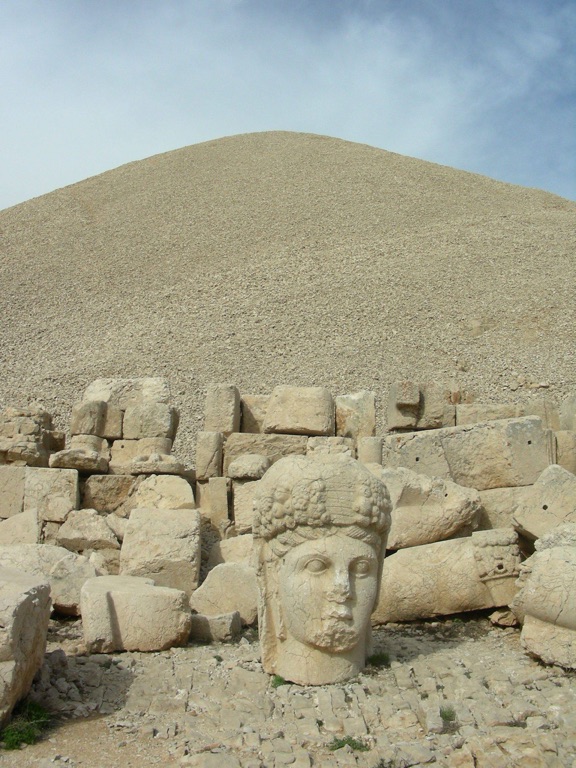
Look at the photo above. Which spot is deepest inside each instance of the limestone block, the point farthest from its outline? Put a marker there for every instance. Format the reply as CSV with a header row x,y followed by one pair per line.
x,y
228,587
50,533
327,446
238,549
25,528
150,420
550,502
52,492
213,501
127,613
425,510
566,450
160,492
123,393
419,451
209,629
157,464
87,453
243,500
274,447
300,411
369,450
222,409
65,571
117,525
249,466
568,414
105,561
356,414
88,418
478,413
11,490
253,409
106,493
546,603
436,410
563,535
403,405
124,452
24,615
209,447
449,577
86,529
164,545
499,506
27,437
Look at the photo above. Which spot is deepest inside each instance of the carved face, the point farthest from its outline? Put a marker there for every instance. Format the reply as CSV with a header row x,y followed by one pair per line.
x,y
327,590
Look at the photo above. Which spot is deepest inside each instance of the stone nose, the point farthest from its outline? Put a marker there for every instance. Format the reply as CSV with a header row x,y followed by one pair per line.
x,y
341,587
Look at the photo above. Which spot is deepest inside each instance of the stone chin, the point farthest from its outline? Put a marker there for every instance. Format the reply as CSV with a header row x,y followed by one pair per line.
x,y
336,636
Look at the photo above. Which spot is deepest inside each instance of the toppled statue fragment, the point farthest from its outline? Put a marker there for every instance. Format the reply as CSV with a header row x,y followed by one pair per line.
x,y
320,527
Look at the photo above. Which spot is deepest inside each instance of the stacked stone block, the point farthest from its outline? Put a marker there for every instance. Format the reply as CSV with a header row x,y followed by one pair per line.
x,y
27,437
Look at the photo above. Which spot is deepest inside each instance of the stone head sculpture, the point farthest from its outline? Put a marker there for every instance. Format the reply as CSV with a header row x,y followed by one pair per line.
x,y
320,527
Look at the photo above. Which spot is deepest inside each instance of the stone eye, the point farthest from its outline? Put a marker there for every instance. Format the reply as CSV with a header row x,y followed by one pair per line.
x,y
362,567
316,565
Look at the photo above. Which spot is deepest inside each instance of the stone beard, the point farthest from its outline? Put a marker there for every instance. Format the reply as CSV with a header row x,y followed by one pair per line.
x,y
320,528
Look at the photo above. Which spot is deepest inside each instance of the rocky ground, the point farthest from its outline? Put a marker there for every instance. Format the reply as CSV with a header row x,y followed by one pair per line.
x,y
458,693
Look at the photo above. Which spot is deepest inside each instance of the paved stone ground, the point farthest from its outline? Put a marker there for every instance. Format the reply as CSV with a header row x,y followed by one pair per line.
x,y
455,693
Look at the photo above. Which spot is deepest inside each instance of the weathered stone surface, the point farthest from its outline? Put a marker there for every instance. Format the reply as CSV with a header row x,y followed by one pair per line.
x,y
63,570
25,528
24,615
127,613
331,446
105,561
86,529
160,492
274,447
566,450
208,629
238,549
476,413
106,493
27,437
568,414
54,493
356,414
420,451
499,506
156,464
228,587
436,410
150,420
11,490
212,496
449,577
123,393
253,412
87,453
222,409
124,452
88,418
320,526
249,466
300,411
117,525
403,405
164,545
369,450
243,500
209,447
425,510
550,502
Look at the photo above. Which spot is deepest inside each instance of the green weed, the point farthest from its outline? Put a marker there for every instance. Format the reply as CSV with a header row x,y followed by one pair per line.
x,y
379,660
28,721
348,741
278,680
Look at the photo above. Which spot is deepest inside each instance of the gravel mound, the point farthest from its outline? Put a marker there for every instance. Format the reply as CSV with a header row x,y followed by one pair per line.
x,y
274,258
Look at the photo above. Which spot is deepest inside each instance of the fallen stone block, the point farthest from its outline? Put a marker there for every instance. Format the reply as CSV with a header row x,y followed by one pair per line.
x,y
436,409
209,447
124,393
157,464
65,571
127,613
106,493
27,437
105,561
237,549
212,629
87,453
356,415
329,446
369,450
54,493
243,501
11,490
568,414
222,409
274,447
499,506
160,492
164,545
212,496
448,577
124,452
477,413
549,502
117,525
149,421
419,451
426,510
566,450
403,405
24,614
253,408
25,528
249,466
86,529
88,418
228,587
300,411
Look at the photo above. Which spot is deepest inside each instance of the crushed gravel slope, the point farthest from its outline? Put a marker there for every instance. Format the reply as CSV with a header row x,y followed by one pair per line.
x,y
282,257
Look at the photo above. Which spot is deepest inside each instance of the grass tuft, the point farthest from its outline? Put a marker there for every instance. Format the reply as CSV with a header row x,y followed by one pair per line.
x,y
349,741
379,660
278,680
28,721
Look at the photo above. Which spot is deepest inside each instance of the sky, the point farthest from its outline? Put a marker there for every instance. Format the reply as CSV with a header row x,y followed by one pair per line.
x,y
487,86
